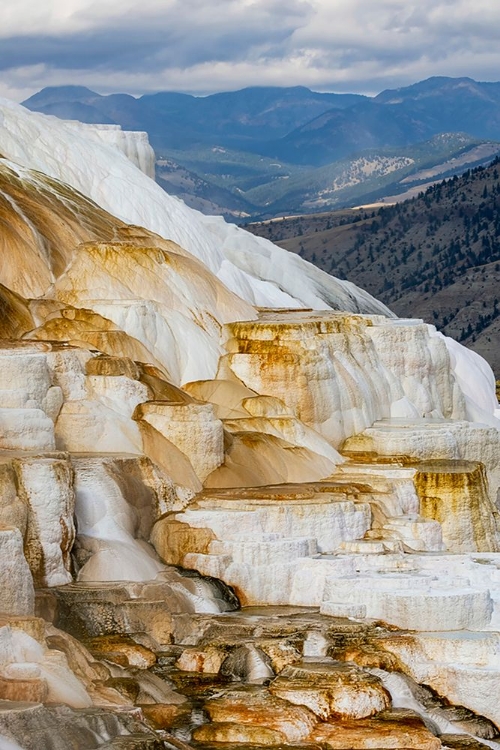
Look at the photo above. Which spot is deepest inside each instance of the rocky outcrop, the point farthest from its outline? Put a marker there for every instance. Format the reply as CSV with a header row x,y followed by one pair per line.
x,y
333,461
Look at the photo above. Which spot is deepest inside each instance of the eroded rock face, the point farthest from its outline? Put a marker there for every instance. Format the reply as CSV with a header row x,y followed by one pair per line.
x,y
16,581
144,291
193,428
339,374
457,496
331,690
45,485
394,730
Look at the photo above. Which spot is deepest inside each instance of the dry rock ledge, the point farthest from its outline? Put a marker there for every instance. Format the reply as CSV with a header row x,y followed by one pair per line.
x,y
242,505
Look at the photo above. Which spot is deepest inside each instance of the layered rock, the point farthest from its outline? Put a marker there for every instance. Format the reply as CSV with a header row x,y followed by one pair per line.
x,y
152,416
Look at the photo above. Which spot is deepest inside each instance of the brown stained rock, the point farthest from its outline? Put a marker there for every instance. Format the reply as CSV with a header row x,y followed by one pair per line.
x,y
160,626
456,494
208,661
237,734
257,707
29,690
461,742
327,701
80,660
122,651
128,687
405,732
107,697
112,366
332,690
163,715
281,654
173,540
370,657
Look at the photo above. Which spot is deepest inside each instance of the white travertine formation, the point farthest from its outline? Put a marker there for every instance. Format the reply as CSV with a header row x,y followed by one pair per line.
x,y
133,143
463,666
429,439
108,527
16,582
45,485
29,403
380,437
169,302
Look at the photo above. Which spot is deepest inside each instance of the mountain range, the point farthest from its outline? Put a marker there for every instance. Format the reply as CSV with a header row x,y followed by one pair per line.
x,y
265,151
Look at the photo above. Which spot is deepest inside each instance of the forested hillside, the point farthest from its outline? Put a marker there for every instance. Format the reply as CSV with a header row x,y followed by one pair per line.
x,y
436,256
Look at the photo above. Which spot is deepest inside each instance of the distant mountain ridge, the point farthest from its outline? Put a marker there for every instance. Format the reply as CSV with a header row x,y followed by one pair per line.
x,y
176,120
397,118
264,151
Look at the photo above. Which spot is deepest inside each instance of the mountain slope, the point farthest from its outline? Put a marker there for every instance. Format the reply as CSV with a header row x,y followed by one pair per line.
x,y
370,175
436,256
396,118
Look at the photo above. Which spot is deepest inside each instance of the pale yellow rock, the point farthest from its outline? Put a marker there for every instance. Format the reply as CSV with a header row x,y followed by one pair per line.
x,y
233,734
168,457
192,428
227,396
289,429
254,459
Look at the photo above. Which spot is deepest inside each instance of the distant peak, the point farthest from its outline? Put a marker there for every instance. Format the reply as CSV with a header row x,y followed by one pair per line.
x,y
55,94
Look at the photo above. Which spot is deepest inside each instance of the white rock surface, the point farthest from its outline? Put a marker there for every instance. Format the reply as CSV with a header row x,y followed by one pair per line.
x,y
108,527
46,486
16,582
133,143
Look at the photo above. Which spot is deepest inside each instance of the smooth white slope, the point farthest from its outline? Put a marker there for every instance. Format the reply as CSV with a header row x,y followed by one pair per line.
x,y
260,272
133,143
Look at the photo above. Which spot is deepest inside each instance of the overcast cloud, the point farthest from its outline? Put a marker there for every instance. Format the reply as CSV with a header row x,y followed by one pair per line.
x,y
202,46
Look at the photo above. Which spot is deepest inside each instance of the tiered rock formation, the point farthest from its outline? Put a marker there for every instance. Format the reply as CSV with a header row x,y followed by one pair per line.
x,y
322,456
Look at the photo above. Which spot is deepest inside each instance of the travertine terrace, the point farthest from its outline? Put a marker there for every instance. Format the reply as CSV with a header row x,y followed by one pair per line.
x,y
242,504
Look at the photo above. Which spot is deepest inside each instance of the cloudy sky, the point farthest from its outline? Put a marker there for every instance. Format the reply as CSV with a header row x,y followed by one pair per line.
x,y
202,46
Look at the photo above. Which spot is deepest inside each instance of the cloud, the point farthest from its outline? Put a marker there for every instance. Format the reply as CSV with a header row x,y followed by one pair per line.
x,y
200,47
